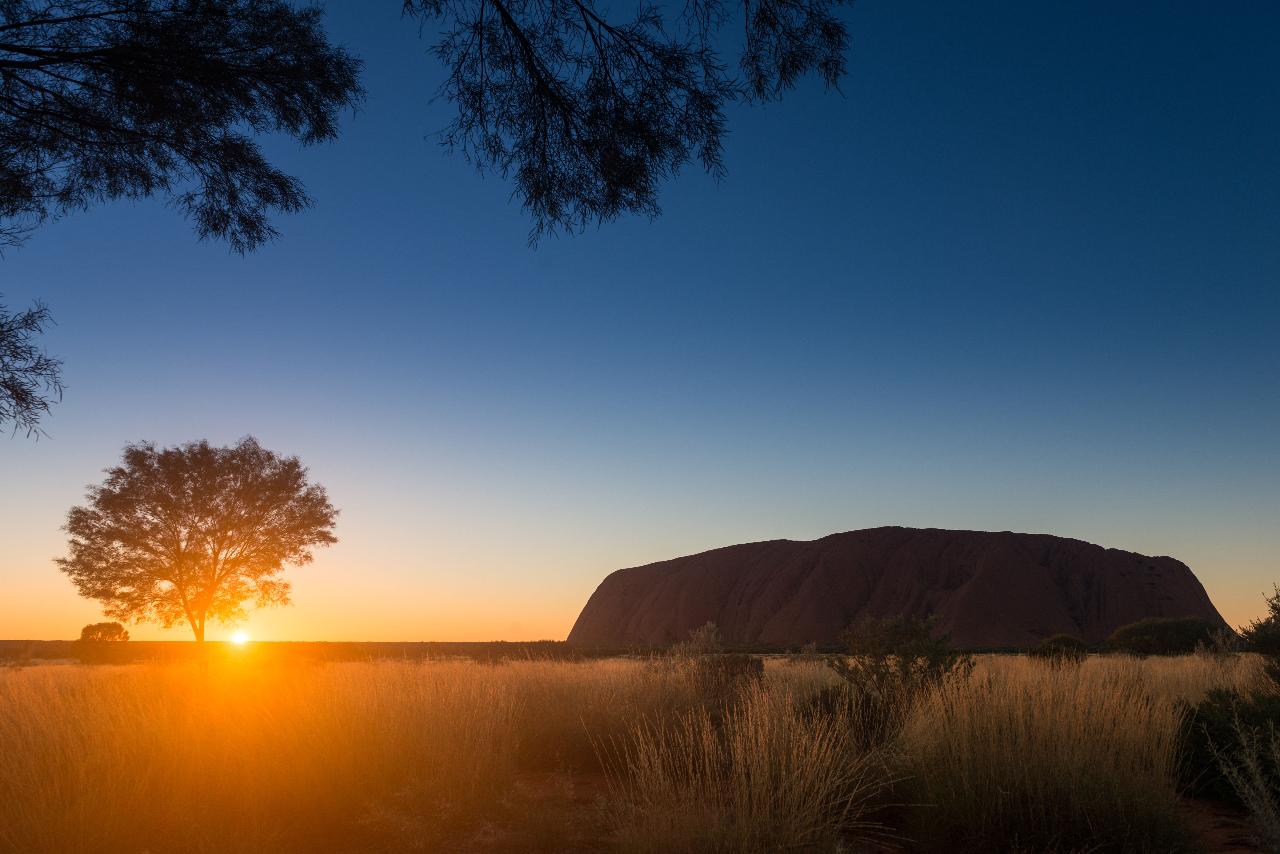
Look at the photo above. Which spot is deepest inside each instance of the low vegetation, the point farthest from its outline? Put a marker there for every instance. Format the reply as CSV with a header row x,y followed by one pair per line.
x,y
1164,636
691,752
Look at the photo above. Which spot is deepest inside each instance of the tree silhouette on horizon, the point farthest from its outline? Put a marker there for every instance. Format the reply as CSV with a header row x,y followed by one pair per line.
x,y
192,533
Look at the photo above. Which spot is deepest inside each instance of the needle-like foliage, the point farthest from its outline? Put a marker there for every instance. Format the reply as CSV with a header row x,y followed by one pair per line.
x,y
109,99
589,112
30,380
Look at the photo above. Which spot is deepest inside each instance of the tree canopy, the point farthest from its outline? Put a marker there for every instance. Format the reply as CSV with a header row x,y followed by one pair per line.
x,y
195,532
109,99
30,380
587,112
111,632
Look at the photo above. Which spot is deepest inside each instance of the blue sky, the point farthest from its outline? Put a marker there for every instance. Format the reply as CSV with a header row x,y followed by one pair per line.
x,y
1021,273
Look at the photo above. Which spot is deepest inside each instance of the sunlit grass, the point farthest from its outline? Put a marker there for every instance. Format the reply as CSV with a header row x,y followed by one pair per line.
x,y
248,757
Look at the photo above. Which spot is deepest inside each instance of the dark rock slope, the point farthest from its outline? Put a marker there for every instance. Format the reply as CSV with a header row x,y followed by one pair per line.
x,y
987,589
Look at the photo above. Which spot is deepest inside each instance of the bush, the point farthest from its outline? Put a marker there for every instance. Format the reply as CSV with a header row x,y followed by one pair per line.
x,y
894,654
717,675
891,661
1060,650
102,643
1263,635
1223,645
1213,728
1250,768
1162,636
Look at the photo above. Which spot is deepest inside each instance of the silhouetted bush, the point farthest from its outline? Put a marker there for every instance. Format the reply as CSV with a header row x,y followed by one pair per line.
x,y
1263,634
1162,636
102,643
1060,650
1222,645
718,675
1213,728
891,661
890,653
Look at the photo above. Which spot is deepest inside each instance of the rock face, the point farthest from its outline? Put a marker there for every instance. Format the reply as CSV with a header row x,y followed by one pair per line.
x,y
987,589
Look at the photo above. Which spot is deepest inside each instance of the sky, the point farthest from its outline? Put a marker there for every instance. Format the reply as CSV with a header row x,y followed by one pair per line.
x,y
1019,274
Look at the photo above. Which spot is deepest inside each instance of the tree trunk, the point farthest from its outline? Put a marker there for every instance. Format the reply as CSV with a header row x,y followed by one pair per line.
x,y
202,651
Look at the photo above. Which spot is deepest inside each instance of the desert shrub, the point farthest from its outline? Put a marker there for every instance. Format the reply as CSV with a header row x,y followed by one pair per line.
x,y
716,675
1212,728
1023,758
763,778
1222,645
1060,650
891,662
1251,766
1162,636
1263,634
892,658
704,640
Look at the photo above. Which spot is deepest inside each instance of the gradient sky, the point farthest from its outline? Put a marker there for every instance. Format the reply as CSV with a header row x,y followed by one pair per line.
x,y
1021,275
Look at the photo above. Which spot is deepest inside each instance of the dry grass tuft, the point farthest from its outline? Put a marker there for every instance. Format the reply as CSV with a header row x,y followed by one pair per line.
x,y
767,778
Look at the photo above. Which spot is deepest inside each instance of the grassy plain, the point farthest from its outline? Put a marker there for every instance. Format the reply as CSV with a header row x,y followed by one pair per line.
x,y
617,754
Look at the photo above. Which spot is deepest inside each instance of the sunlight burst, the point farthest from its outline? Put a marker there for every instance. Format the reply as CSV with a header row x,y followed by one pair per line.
x,y
240,638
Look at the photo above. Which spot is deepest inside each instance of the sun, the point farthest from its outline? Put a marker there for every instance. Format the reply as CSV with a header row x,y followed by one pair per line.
x,y
240,637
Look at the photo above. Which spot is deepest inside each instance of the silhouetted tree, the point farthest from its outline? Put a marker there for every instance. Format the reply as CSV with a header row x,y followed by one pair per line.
x,y
1263,634
29,380
590,113
104,99
104,632
194,532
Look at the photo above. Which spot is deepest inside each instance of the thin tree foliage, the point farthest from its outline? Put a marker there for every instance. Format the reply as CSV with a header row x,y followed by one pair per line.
x,y
589,112
587,109
110,99
30,380
194,533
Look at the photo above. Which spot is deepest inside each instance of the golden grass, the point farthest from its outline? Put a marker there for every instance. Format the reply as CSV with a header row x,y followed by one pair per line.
x,y
765,777
414,756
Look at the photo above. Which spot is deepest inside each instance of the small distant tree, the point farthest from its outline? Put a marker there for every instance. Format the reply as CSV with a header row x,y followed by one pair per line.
x,y
104,633
101,643
195,532
30,380
1162,636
